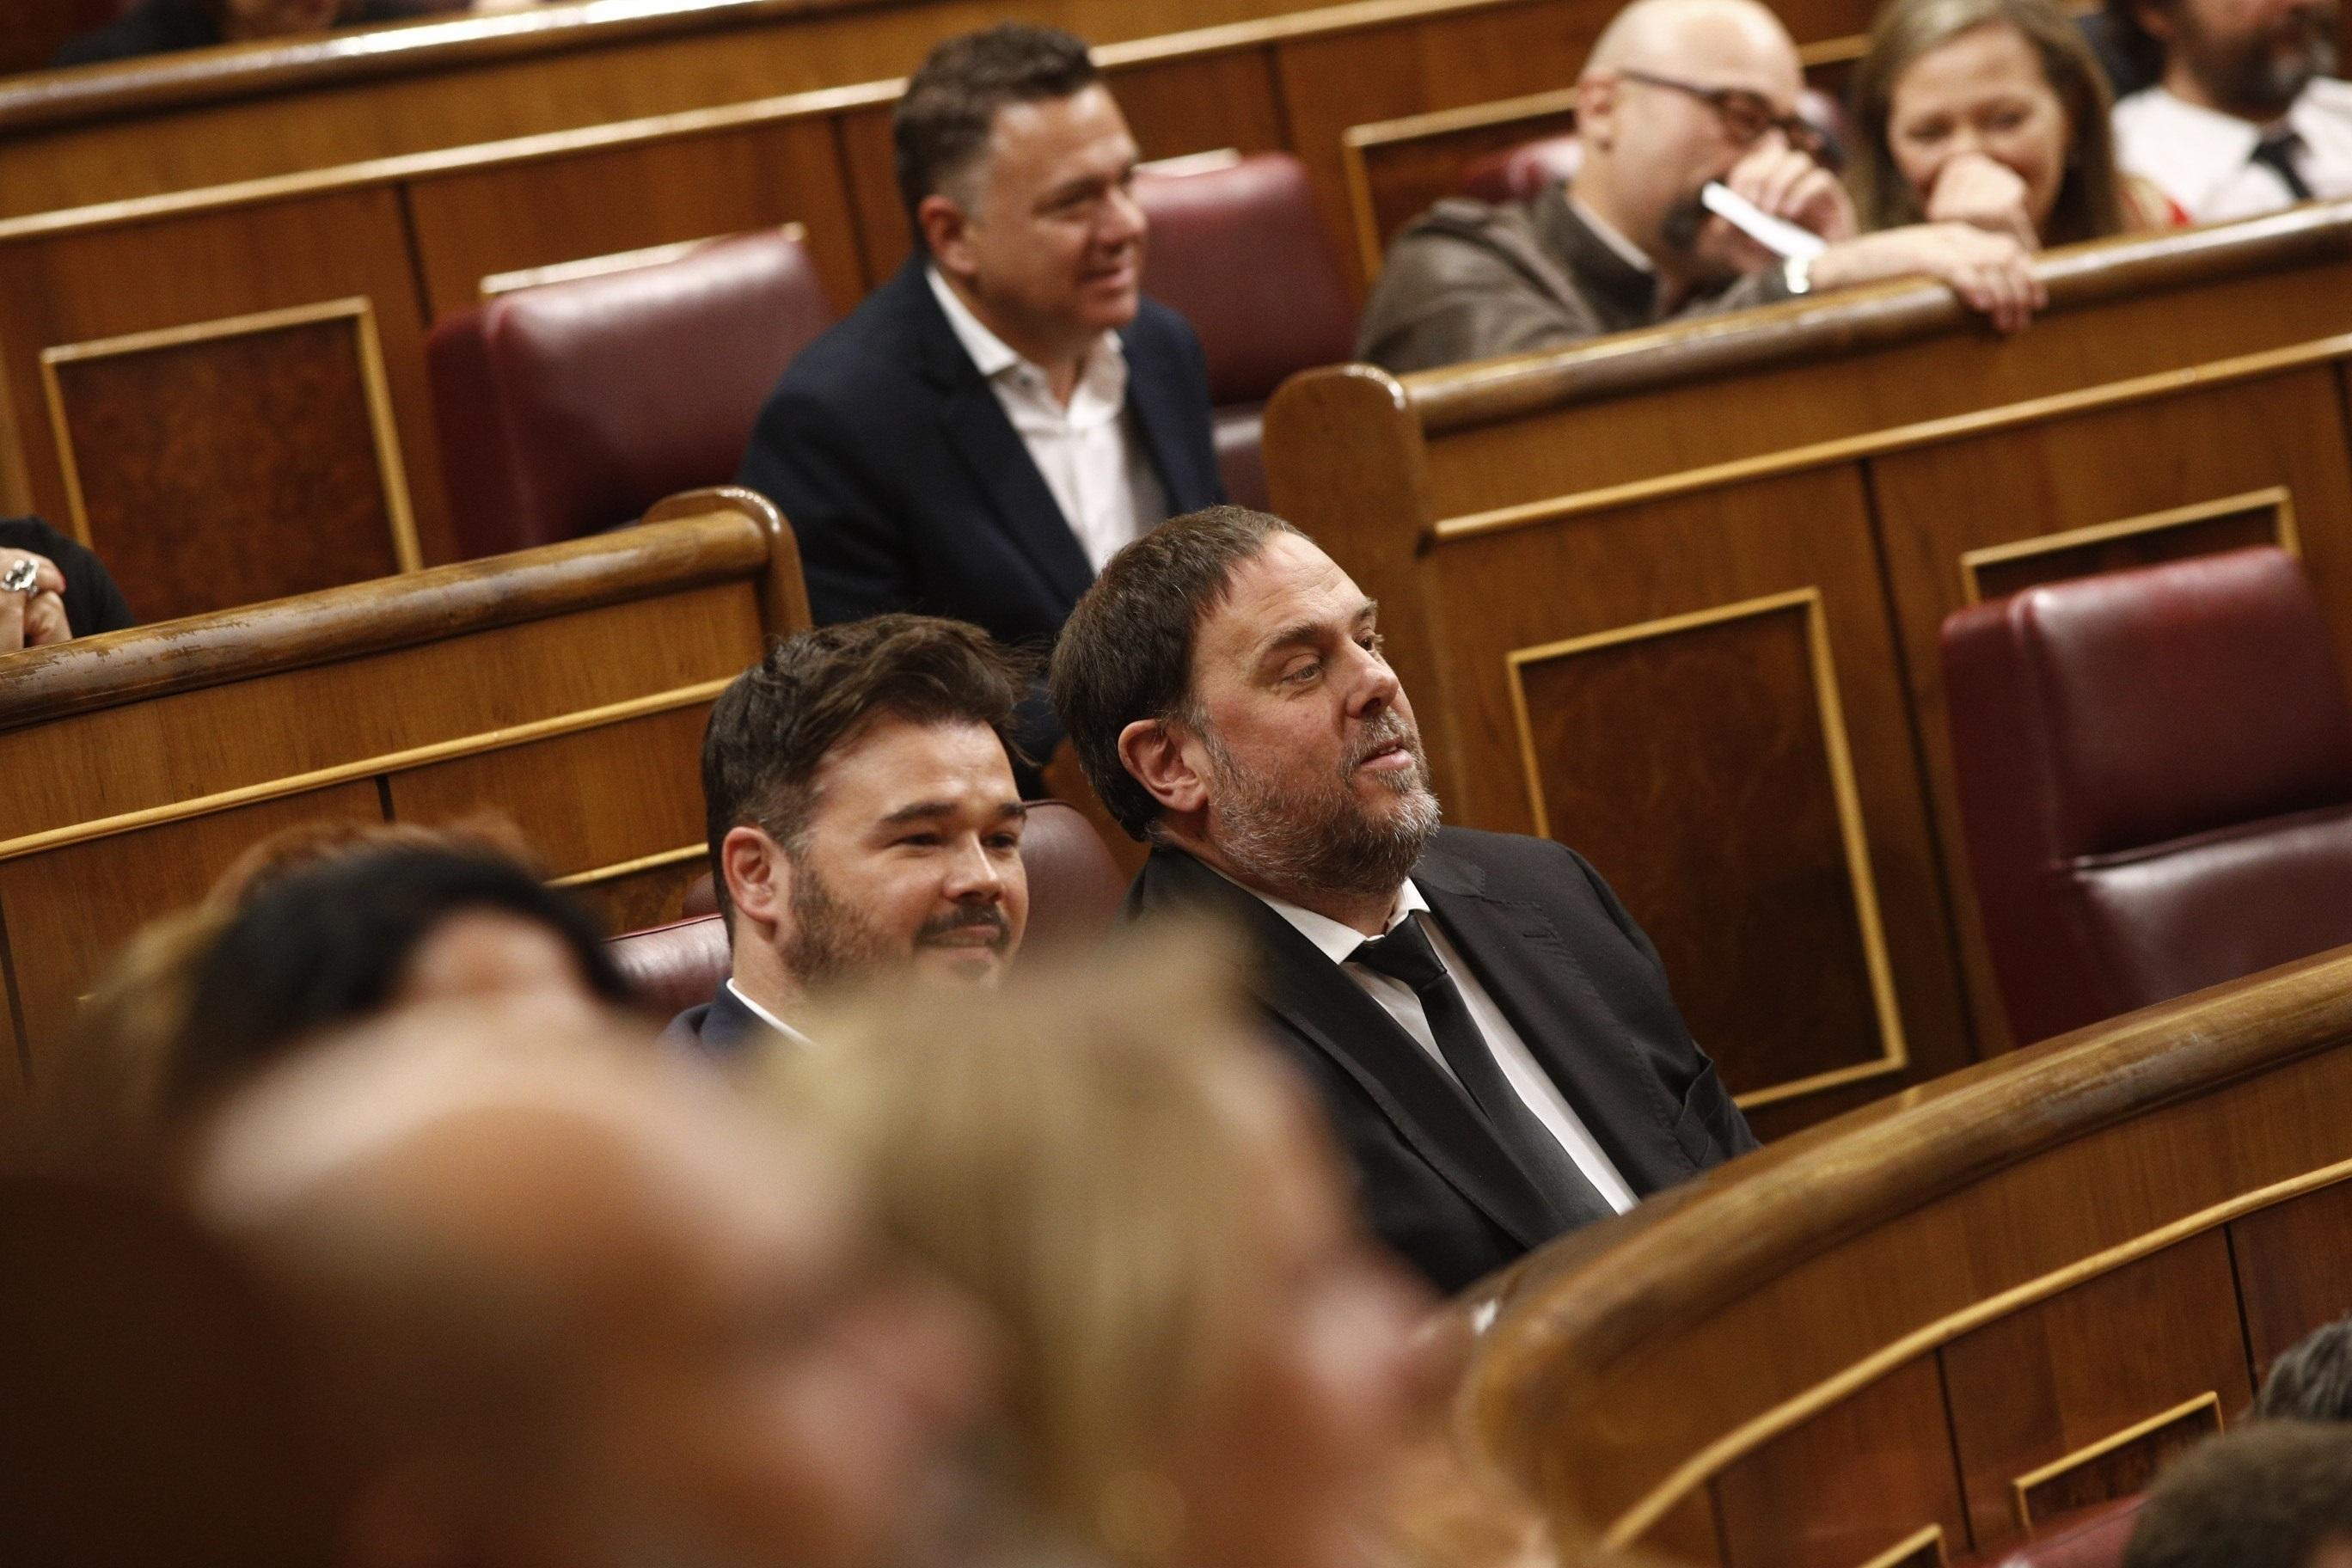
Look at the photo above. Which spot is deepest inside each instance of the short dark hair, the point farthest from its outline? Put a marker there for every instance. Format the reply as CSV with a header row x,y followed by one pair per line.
x,y
2313,1381
941,125
1126,652
329,945
2268,1495
774,724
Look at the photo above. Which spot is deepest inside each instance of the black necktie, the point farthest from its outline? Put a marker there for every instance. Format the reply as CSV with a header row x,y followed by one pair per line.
x,y
1405,954
2275,153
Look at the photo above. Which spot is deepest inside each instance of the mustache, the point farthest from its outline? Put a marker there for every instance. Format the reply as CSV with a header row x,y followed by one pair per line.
x,y
1390,728
975,917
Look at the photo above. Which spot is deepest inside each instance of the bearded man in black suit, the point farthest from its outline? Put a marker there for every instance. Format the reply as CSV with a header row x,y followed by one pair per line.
x,y
1489,1031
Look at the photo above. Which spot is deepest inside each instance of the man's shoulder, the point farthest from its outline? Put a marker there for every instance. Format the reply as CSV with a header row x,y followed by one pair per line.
x,y
1462,226
1509,854
871,353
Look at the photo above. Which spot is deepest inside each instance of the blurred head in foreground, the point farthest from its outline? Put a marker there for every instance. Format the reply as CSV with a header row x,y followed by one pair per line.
x,y
1210,1362
2313,1381
374,931
2273,1494
587,1308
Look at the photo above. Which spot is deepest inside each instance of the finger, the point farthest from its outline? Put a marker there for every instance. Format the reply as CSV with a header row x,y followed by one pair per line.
x,y
11,622
46,575
45,621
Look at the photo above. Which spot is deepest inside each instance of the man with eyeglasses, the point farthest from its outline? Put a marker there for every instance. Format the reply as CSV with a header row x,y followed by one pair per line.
x,y
1679,95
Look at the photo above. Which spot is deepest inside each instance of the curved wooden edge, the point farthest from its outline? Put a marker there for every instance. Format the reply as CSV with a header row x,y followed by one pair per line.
x,y
720,540
783,591
1859,320
1564,1314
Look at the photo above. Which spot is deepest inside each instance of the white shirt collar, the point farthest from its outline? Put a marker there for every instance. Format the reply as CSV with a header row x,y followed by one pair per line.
x,y
795,1035
1332,939
2191,149
1631,254
992,355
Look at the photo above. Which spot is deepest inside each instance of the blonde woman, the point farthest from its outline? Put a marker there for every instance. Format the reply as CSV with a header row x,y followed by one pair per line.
x,y
1994,113
1212,1364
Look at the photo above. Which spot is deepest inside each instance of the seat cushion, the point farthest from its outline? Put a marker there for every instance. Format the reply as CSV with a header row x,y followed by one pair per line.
x,y
2091,1538
1237,247
572,408
671,968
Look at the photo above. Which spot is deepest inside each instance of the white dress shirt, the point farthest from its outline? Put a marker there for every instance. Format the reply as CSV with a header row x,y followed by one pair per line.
x,y
1090,454
1525,1075
2203,159
789,1033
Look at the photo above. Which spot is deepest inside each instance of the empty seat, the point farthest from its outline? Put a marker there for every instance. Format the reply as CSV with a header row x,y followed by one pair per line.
x,y
1514,173
1237,247
570,408
2156,778
1076,890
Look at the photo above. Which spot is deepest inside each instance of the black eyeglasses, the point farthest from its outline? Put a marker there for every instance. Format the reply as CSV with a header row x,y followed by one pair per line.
x,y
1745,115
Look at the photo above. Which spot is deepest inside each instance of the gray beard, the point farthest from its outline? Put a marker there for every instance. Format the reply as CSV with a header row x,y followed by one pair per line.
x,y
1326,843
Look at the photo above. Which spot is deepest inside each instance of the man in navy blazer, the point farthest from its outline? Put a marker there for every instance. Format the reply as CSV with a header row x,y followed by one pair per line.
x,y
994,422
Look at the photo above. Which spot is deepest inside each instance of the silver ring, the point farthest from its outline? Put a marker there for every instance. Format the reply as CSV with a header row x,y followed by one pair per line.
x,y
22,577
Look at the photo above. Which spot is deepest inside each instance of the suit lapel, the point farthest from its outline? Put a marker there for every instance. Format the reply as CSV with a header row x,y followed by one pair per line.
x,y
1575,1036
981,434
1317,1000
1150,403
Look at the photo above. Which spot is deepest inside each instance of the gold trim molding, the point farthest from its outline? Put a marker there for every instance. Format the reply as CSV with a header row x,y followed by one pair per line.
x,y
384,432
521,277
2277,500
1913,1549
1894,1052
621,868
2021,1489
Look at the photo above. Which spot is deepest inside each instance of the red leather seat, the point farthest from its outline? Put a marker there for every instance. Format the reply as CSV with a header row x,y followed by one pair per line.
x,y
2155,776
1237,247
570,408
1076,890
1517,173
2090,1538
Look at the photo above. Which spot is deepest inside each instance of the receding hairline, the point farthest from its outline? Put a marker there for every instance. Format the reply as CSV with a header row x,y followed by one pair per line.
x,y
1646,35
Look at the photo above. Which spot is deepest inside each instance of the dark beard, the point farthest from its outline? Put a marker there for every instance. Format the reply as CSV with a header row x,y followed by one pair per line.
x,y
832,943
1326,843
2251,79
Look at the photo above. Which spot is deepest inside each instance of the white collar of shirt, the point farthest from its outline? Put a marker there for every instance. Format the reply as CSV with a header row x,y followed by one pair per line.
x,y
1631,254
789,1033
1102,379
1333,940
2193,152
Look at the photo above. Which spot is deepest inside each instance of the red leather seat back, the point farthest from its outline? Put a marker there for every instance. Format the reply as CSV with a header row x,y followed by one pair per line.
x,y
2156,778
2091,1538
671,968
1516,174
1076,890
1237,247
570,408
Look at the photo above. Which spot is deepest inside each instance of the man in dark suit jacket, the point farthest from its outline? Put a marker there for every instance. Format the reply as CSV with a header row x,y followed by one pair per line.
x,y
1491,1034
997,419
864,821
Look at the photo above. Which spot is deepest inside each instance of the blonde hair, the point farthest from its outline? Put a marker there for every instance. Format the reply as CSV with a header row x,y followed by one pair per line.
x,y
1085,1157
2091,199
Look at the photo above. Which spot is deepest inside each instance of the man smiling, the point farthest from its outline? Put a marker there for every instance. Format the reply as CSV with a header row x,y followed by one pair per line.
x,y
1490,1032
863,820
981,434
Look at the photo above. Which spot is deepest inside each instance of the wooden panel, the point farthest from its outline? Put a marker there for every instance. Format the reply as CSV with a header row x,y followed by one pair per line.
x,y
586,800
472,223
2222,448
1399,170
1688,1535
1771,916
170,753
176,445
2062,1377
1864,1477
1673,771
66,909
2234,523
635,899
885,238
2295,1273
82,286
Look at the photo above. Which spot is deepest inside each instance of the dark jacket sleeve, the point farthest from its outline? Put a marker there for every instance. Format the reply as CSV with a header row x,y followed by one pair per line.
x,y
93,603
825,480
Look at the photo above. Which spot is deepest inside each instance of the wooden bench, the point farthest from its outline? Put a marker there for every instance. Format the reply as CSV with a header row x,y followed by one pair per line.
x,y
1937,1324
1674,595
564,687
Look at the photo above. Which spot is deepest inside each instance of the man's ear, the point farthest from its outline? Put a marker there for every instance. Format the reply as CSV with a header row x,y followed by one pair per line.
x,y
947,235
1596,107
1155,751
759,874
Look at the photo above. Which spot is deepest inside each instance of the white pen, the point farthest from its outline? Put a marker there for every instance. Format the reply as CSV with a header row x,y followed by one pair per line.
x,y
1777,234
